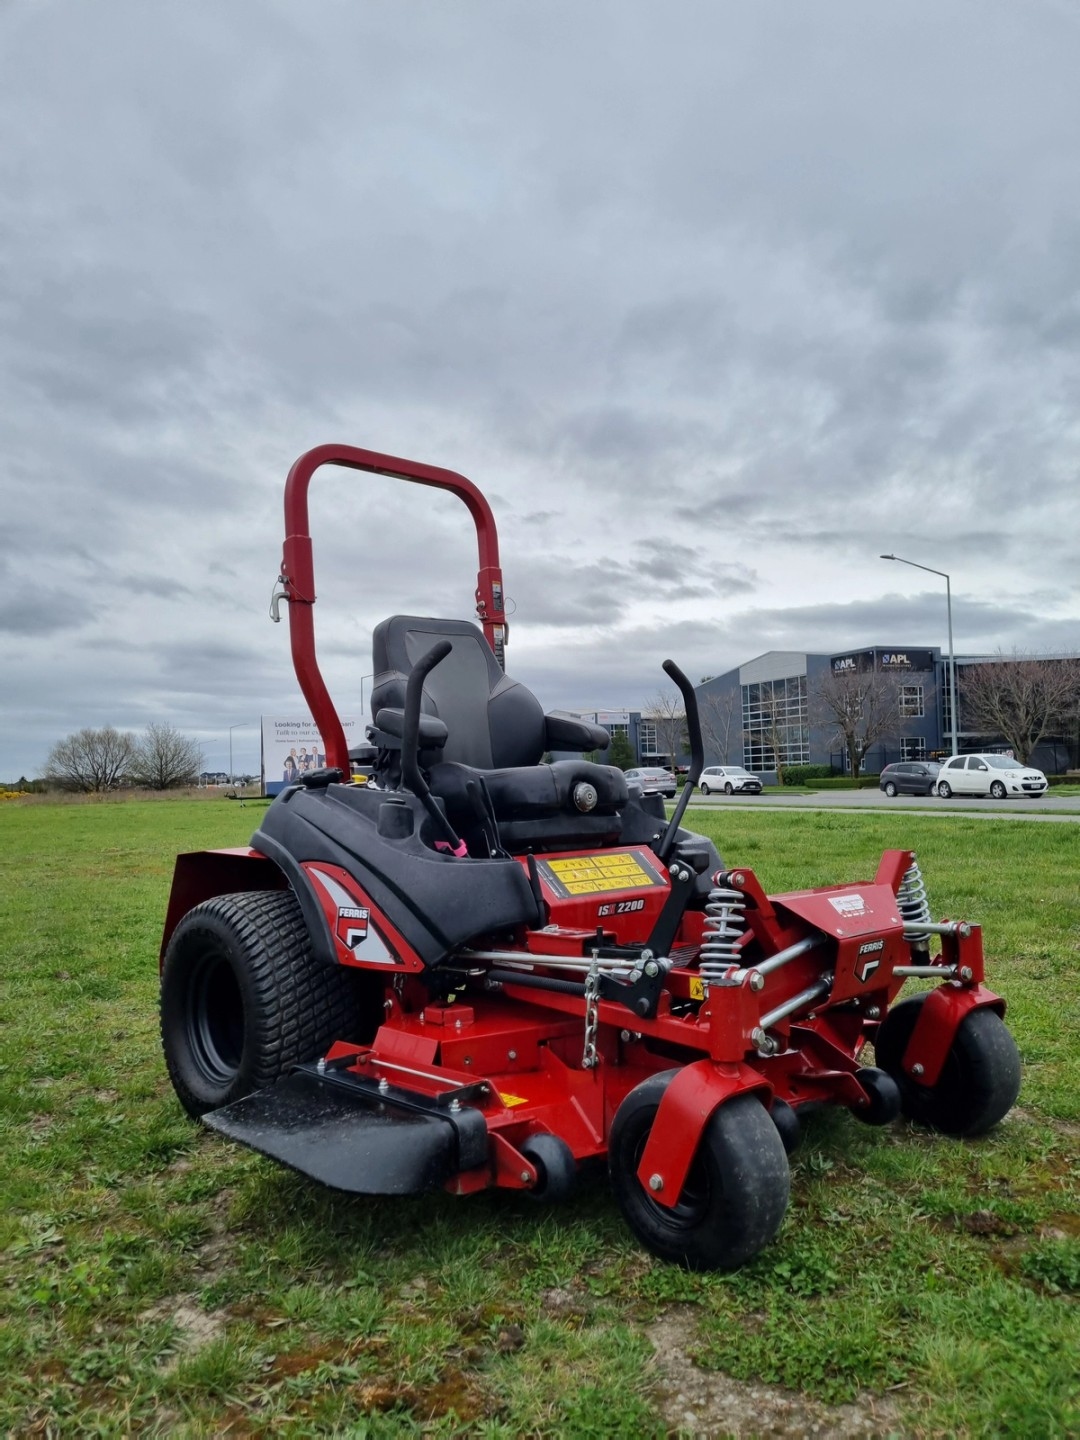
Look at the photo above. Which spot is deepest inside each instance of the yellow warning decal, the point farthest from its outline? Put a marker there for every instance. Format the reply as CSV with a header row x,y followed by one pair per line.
x,y
599,874
697,988
511,1100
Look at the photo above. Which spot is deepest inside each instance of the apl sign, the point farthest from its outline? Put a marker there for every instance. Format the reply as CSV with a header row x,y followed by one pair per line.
x,y
883,660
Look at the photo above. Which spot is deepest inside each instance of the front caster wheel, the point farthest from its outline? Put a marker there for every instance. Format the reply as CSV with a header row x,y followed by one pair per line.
x,y
979,1081
735,1195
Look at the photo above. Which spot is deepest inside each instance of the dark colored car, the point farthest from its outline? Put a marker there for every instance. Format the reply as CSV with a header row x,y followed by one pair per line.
x,y
910,777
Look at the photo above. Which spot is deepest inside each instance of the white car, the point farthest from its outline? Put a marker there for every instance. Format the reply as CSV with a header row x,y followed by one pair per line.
x,y
996,775
731,779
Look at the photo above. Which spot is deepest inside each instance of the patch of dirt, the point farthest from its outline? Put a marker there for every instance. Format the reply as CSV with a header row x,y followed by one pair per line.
x,y
194,1327
566,1304
707,1402
1068,1128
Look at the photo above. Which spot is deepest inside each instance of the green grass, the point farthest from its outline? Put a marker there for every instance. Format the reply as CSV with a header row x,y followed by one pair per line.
x,y
157,1280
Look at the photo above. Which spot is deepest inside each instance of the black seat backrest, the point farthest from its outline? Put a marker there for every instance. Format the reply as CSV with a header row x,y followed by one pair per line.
x,y
494,722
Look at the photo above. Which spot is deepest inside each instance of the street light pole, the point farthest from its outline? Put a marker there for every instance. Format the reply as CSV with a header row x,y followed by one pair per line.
x,y
952,657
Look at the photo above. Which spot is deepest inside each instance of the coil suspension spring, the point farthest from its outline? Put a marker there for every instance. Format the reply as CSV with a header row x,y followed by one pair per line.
x,y
724,925
913,904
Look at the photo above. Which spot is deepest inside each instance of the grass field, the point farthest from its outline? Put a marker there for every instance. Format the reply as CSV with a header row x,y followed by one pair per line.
x,y
158,1281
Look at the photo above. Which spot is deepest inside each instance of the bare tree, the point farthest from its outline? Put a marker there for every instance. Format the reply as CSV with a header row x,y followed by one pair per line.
x,y
1021,698
165,759
667,715
863,706
718,714
91,760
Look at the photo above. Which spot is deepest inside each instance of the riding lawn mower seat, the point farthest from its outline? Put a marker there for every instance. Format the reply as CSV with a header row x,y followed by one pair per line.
x,y
491,739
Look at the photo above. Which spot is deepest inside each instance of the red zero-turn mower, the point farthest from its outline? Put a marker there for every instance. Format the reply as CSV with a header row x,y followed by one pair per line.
x,y
467,968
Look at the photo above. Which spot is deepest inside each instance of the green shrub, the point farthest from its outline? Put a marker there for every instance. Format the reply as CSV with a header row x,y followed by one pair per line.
x,y
803,774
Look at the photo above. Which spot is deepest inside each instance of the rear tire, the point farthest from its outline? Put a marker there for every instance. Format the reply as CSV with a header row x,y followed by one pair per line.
x,y
243,998
890,790
735,1195
979,1081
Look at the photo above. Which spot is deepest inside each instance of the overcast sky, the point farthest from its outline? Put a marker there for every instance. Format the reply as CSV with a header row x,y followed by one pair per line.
x,y
715,302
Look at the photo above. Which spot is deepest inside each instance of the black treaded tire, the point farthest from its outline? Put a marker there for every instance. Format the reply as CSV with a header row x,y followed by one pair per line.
x,y
705,790
884,1102
556,1168
243,998
997,790
729,789
979,1081
736,1193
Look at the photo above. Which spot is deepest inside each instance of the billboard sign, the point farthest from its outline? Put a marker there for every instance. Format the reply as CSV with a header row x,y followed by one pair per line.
x,y
887,661
292,747
906,660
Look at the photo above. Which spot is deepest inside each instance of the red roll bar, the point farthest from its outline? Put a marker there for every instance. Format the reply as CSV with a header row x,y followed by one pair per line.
x,y
297,579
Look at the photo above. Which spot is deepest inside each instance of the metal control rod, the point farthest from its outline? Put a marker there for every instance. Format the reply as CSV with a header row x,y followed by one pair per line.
x,y
804,998
781,958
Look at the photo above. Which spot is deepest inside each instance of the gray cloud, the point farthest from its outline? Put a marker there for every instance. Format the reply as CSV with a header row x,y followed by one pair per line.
x,y
716,304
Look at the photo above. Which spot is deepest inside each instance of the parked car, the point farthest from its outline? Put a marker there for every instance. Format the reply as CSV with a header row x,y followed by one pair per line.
x,y
910,777
731,779
653,779
996,775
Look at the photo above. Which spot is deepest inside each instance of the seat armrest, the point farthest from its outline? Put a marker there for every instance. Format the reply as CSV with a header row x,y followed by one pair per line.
x,y
433,731
567,732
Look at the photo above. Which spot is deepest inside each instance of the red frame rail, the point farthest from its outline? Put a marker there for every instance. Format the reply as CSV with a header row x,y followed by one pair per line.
x,y
298,572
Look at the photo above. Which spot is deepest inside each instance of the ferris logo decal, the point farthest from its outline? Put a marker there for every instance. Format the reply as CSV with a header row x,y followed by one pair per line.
x,y
352,925
848,904
867,968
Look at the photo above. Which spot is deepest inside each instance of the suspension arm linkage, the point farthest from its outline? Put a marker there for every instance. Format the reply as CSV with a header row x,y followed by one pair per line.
x,y
781,958
804,998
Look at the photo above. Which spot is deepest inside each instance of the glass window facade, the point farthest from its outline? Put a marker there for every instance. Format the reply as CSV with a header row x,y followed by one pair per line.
x,y
912,747
776,727
911,702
